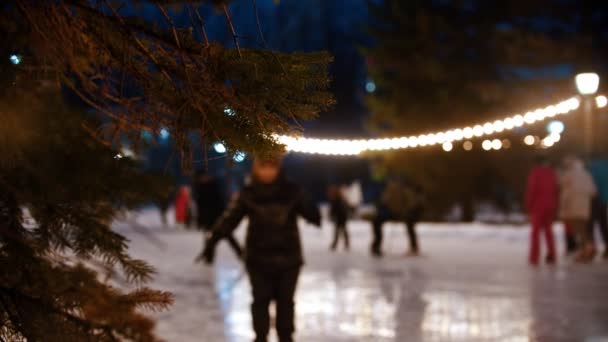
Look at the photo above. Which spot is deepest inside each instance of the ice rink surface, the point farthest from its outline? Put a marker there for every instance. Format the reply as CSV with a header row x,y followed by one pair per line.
x,y
472,283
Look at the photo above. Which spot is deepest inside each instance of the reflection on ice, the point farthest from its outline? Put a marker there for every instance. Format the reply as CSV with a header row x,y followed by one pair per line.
x,y
473,285
460,317
354,305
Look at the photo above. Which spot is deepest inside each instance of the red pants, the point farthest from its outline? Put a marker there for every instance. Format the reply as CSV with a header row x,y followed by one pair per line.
x,y
541,223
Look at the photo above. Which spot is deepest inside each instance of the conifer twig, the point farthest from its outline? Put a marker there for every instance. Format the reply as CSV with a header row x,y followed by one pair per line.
x,y
200,22
234,36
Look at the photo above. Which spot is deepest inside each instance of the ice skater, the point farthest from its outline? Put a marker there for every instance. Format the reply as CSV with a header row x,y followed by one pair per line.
x,y
210,205
577,192
273,253
402,204
338,212
541,204
599,205
183,212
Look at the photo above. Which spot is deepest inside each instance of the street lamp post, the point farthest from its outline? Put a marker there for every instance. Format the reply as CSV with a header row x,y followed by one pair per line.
x,y
587,84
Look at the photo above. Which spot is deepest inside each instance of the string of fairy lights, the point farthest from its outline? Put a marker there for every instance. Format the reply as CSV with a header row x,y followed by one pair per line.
x,y
447,138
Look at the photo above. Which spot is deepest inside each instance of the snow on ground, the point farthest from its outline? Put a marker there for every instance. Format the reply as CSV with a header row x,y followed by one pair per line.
x,y
471,284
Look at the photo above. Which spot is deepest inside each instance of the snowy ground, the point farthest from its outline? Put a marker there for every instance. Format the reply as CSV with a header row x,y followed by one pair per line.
x,y
472,284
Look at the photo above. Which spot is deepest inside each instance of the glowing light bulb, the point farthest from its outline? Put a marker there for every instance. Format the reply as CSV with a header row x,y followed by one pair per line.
x,y
506,143
467,145
164,133
219,147
413,141
601,101
447,146
477,130
370,86
555,137
551,111
556,127
498,126
574,103
486,145
467,133
530,117
458,134
509,123
229,111
488,128
529,140
15,59
518,120
547,142
496,144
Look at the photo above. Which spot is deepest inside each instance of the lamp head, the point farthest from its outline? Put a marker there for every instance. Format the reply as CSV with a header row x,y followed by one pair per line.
x,y
587,83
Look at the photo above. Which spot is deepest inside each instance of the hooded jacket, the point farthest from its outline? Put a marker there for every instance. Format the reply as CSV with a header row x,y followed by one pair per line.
x,y
577,190
273,238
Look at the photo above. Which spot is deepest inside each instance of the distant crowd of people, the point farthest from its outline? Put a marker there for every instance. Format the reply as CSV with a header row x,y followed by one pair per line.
x,y
575,194
273,251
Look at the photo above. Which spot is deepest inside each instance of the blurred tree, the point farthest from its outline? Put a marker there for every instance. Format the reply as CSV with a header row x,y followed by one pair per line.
x,y
148,75
60,190
65,275
446,64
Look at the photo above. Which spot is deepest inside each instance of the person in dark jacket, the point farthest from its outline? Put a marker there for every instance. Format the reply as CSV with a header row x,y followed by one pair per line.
x,y
398,203
273,253
210,205
415,204
338,211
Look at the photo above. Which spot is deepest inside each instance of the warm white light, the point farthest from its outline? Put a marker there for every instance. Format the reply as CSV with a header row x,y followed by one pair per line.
x,y
587,83
496,144
573,103
467,132
467,145
601,101
506,143
529,118
477,130
529,140
355,147
458,134
556,127
447,146
499,126
440,137
488,128
486,145
127,152
219,147
555,137
551,111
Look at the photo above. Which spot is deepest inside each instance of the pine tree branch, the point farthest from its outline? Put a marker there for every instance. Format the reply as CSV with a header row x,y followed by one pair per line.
x,y
234,36
170,22
200,22
257,21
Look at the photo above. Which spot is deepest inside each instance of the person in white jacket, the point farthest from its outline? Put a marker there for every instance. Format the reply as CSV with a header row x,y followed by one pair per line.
x,y
576,192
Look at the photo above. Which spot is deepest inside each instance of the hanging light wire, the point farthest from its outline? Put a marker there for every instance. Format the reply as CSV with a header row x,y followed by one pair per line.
x,y
357,146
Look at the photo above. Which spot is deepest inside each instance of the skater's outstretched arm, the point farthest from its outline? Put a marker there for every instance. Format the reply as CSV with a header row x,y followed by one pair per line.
x,y
224,226
308,209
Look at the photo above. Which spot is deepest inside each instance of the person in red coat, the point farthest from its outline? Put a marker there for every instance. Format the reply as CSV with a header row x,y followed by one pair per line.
x,y
541,203
182,205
